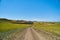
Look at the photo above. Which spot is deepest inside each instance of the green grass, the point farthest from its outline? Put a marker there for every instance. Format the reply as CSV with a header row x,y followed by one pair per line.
x,y
53,27
6,26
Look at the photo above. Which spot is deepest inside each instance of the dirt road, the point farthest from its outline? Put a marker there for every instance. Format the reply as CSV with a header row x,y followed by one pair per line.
x,y
31,34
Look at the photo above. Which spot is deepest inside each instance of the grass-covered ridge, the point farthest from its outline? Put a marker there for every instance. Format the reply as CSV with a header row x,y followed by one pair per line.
x,y
53,27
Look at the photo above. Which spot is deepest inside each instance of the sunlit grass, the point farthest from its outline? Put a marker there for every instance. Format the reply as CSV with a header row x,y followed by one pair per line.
x,y
50,27
6,26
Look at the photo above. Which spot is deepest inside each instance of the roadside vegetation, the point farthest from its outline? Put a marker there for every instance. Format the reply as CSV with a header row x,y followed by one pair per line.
x,y
9,27
53,27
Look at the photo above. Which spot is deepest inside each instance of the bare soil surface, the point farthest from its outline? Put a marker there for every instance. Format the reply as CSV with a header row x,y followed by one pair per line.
x,y
30,34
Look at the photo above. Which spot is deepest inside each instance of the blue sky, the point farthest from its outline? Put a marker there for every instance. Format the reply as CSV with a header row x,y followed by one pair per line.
x,y
37,10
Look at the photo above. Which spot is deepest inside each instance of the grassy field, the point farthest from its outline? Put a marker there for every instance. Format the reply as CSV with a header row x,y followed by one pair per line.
x,y
7,25
53,27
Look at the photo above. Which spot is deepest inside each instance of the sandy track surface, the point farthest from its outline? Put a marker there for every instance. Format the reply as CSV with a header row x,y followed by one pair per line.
x,y
31,34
